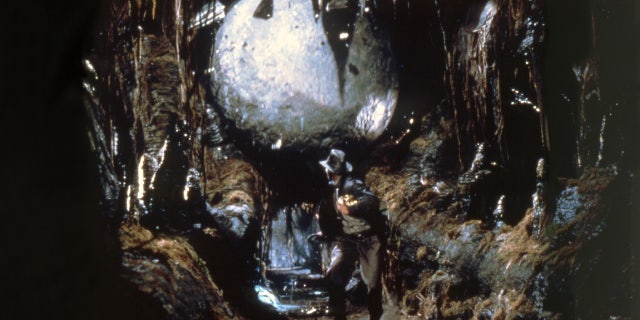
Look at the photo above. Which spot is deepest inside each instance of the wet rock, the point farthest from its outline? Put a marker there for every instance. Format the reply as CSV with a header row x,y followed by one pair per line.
x,y
235,195
478,187
278,80
498,214
567,205
233,220
435,149
288,233
538,202
510,271
169,270
579,212
184,195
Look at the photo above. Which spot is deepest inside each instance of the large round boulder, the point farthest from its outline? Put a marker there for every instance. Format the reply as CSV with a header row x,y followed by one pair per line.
x,y
277,78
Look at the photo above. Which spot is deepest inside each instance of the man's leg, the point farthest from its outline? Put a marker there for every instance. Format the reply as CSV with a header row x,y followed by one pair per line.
x,y
343,257
370,252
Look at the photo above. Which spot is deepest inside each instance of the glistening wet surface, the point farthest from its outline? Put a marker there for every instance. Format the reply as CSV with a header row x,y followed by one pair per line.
x,y
504,174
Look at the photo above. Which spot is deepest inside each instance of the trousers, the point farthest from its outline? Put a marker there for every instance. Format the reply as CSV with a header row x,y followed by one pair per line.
x,y
345,252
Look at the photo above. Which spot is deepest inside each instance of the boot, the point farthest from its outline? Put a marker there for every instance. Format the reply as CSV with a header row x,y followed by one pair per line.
x,y
374,302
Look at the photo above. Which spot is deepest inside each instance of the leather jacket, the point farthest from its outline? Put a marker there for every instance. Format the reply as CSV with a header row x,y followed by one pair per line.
x,y
362,204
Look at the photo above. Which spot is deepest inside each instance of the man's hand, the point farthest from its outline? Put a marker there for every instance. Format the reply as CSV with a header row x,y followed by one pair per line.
x,y
344,202
342,208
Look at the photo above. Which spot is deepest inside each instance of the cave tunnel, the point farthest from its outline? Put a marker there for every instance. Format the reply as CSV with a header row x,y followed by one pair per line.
x,y
496,156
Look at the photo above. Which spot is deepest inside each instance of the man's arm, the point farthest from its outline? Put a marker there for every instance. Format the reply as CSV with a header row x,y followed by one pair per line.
x,y
327,220
362,202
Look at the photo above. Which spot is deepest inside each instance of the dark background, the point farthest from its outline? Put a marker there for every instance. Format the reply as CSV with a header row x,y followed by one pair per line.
x,y
54,260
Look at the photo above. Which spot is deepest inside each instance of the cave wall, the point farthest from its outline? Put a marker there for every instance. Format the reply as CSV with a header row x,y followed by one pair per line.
x,y
183,204
503,194
491,236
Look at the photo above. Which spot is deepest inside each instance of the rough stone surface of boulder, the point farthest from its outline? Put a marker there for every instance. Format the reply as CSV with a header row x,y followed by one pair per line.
x,y
278,80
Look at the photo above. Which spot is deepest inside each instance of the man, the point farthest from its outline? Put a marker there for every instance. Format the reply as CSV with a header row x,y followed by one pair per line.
x,y
350,216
